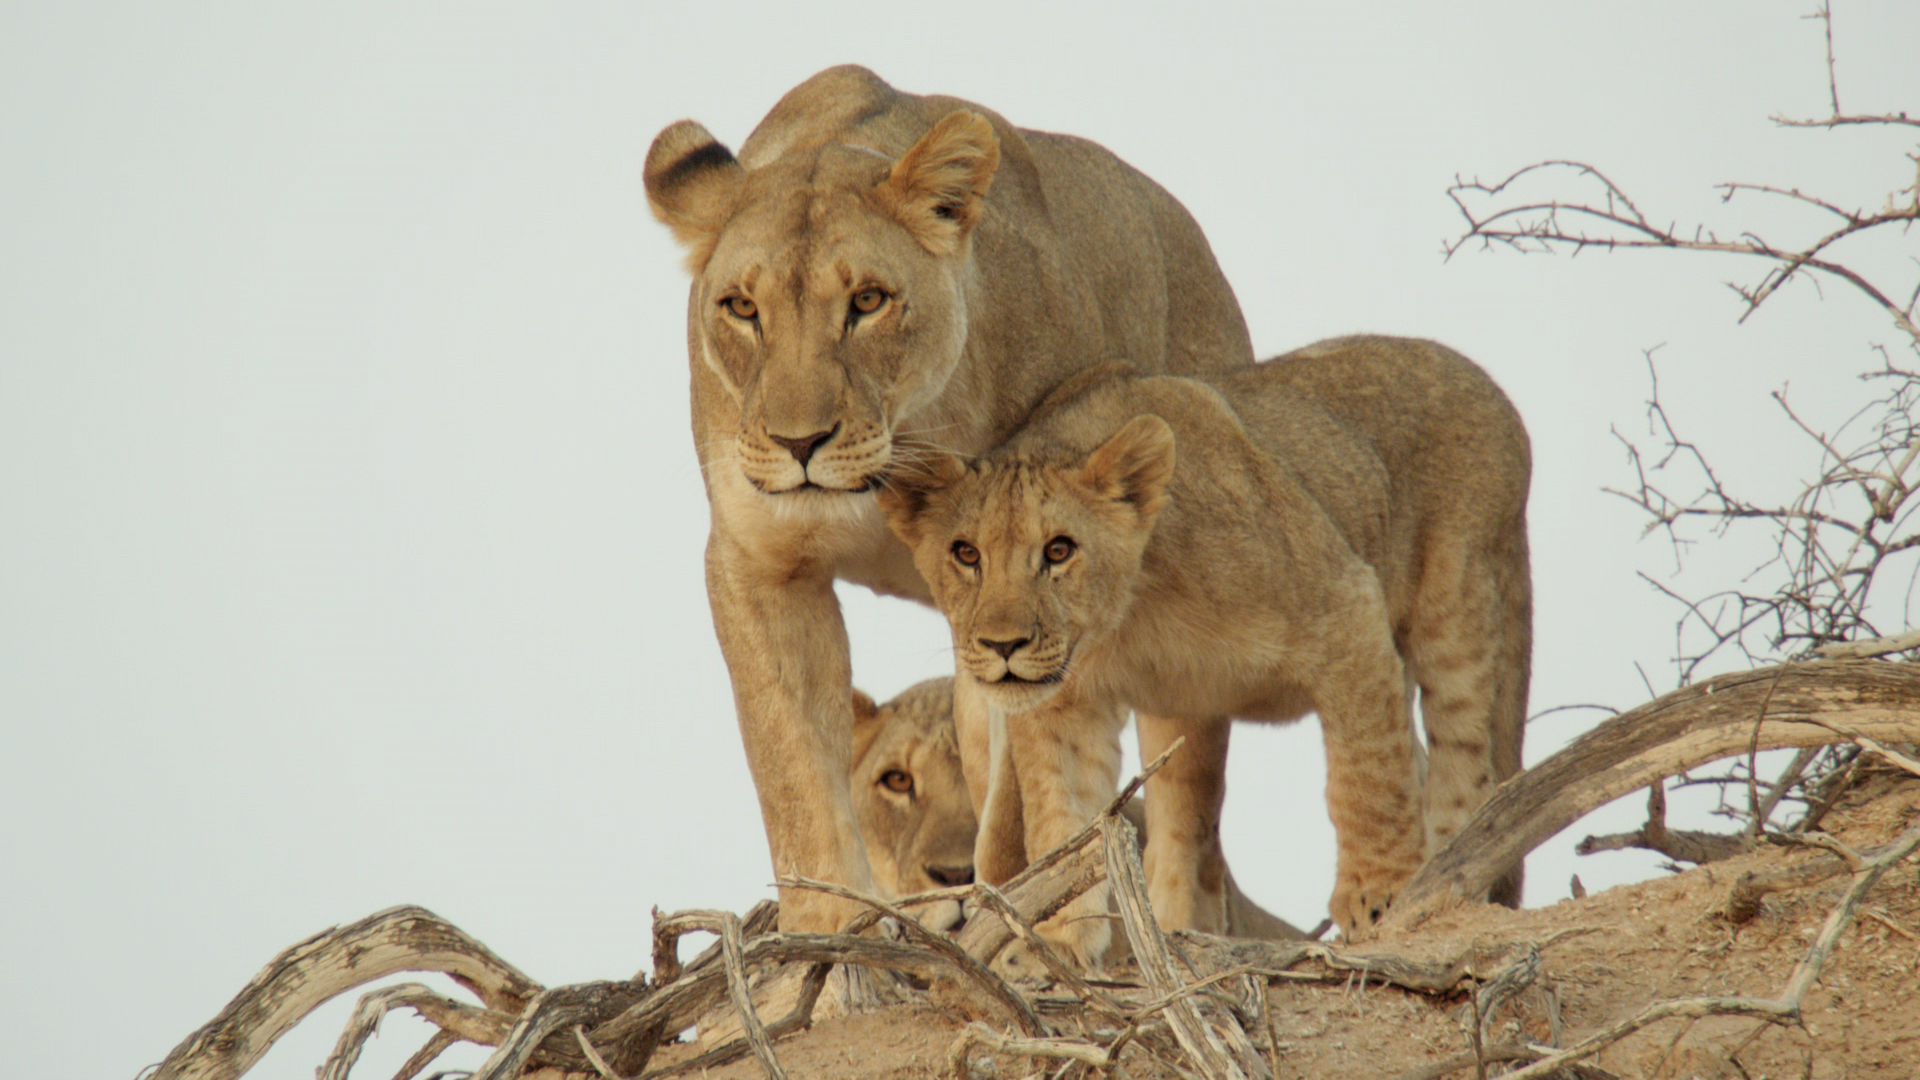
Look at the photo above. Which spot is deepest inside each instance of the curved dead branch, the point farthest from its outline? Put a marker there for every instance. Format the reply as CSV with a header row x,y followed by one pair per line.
x,y
332,962
1678,731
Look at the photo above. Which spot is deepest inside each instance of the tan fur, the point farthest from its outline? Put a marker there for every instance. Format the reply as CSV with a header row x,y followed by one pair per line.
x,y
998,262
919,838
1322,532
924,839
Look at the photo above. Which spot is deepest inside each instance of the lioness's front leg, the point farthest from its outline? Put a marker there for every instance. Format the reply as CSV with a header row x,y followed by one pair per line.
x,y
786,649
1186,870
1068,765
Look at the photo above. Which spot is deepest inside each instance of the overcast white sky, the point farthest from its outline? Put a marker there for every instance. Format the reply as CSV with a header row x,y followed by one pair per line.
x,y
350,531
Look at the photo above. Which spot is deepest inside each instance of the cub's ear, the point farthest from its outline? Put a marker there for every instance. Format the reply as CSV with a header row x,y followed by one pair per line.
x,y
866,724
938,188
1134,465
904,495
691,182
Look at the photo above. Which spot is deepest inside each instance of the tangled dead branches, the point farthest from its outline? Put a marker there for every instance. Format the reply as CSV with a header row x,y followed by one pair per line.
x,y
1200,1005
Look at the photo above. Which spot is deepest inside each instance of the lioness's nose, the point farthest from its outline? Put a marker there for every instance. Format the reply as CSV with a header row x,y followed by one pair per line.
x,y
1006,649
803,447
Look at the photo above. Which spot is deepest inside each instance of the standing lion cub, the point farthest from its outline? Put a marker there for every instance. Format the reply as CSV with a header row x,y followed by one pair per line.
x,y
1322,532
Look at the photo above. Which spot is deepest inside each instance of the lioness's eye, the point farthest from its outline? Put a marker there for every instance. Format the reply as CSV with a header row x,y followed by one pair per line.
x,y
1059,549
895,780
741,307
868,301
965,554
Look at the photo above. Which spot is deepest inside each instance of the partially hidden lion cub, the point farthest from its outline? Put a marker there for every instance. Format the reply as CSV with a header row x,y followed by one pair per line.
x,y
910,797
877,274
1323,532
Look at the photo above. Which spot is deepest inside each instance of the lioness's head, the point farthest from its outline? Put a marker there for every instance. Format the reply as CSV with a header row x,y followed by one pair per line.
x,y
829,290
910,796
1034,558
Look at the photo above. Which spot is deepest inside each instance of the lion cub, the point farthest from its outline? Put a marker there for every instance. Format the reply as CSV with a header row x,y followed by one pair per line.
x,y
1323,532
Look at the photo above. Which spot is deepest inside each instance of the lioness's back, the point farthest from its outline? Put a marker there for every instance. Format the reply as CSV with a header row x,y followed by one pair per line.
x,y
1092,207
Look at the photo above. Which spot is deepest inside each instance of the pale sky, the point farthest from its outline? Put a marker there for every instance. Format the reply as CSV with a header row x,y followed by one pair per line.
x,y
350,530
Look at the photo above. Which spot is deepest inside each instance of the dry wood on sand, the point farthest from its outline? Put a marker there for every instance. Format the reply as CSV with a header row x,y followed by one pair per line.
x,y
1783,960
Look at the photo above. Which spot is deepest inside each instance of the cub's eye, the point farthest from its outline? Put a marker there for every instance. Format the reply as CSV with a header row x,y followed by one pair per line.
x,y
741,307
868,300
895,780
965,554
1059,550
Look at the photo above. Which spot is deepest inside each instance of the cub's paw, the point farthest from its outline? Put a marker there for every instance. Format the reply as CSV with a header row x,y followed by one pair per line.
x,y
1359,903
1081,944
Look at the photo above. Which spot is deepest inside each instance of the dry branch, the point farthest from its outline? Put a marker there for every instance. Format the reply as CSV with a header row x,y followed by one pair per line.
x,y
332,962
1678,731
553,1013
962,961
1055,879
455,1019
1196,1036
1782,1009
1500,1053
1872,647
978,1034
1681,845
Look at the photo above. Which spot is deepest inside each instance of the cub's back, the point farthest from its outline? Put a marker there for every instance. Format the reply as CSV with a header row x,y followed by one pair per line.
x,y
1451,446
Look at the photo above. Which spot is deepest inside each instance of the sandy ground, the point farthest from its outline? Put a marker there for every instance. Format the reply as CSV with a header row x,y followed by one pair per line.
x,y
1616,952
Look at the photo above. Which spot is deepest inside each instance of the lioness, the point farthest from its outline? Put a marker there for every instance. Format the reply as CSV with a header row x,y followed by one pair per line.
x,y
877,276
1338,525
910,797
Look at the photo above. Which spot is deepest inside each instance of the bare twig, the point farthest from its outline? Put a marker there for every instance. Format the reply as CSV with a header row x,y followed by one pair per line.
x,y
457,1019
976,972
1681,845
424,1056
1782,1009
1050,958
1871,647
980,1035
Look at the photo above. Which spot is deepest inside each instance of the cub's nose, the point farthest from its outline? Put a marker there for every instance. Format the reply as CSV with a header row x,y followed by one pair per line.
x,y
803,447
951,875
1006,649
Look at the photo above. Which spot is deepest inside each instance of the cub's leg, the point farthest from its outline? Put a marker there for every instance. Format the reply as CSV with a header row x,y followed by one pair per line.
x,y
1468,646
1067,762
1373,793
999,848
1186,869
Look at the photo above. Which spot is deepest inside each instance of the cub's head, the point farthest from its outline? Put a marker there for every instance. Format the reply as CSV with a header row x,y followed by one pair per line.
x,y
909,794
1033,558
829,291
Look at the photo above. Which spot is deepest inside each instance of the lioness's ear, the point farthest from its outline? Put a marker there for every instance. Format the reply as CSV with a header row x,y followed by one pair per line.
x,y
937,189
691,181
1134,465
866,724
903,497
